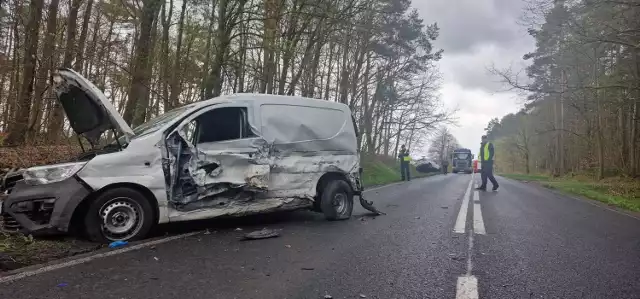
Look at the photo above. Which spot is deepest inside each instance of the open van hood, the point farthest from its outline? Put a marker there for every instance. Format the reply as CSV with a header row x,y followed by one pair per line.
x,y
89,111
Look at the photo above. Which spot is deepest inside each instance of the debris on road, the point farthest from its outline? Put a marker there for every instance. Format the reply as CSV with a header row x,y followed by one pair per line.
x,y
238,229
417,217
62,284
116,244
207,232
328,297
261,234
455,257
368,205
288,246
444,207
155,258
363,296
307,269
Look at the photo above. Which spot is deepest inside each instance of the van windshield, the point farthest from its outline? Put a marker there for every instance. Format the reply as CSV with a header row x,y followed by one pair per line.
x,y
152,125
156,123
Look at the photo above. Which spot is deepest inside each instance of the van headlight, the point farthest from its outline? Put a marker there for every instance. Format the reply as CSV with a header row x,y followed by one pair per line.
x,y
51,173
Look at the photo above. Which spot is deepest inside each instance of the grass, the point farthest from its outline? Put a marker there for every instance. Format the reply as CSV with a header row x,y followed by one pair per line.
x,y
18,250
384,170
617,191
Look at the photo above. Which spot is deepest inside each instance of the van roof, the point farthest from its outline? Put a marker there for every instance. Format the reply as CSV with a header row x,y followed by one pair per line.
x,y
260,99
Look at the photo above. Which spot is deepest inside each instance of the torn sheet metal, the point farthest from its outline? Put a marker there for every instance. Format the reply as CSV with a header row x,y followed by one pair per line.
x,y
278,169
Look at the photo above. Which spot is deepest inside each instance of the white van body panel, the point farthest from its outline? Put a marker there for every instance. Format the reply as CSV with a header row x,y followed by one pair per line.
x,y
294,142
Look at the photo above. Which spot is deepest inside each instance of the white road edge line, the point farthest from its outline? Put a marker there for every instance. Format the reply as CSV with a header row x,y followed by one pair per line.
x,y
92,257
478,222
461,221
467,287
383,186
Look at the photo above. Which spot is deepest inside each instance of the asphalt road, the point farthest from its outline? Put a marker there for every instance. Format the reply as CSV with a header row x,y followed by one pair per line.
x,y
520,242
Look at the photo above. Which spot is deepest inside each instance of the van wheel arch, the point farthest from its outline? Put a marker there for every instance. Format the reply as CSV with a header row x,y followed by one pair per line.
x,y
322,184
77,219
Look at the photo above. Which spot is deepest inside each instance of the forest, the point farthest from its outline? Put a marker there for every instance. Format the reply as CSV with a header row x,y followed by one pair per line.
x,y
149,56
582,91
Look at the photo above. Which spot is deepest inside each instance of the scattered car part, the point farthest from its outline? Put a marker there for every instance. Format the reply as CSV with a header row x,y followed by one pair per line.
x,y
262,234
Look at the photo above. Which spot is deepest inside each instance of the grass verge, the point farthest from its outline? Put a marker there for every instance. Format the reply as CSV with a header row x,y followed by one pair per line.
x,y
619,192
381,170
18,251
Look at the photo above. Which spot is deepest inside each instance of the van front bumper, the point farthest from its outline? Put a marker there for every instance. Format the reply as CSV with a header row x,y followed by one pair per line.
x,y
41,209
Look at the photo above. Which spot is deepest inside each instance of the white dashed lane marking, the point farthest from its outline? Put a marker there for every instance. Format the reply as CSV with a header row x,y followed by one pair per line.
x,y
461,221
478,222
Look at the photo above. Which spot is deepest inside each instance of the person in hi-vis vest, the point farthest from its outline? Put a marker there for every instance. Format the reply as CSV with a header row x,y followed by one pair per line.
x,y
404,163
487,154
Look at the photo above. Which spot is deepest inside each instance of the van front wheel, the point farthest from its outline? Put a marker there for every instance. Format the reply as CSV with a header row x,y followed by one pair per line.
x,y
119,214
337,200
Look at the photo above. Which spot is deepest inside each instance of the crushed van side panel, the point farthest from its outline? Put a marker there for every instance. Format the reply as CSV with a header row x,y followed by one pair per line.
x,y
256,175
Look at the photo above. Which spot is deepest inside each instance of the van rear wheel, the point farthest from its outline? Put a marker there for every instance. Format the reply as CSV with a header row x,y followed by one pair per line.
x,y
337,200
119,214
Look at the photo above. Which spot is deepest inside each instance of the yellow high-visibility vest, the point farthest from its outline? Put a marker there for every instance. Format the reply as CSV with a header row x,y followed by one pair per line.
x,y
406,158
485,150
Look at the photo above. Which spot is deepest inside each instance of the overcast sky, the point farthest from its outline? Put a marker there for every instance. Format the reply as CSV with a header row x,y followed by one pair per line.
x,y
476,34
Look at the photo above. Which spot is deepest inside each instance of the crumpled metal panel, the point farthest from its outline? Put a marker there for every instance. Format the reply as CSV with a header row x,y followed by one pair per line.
x,y
279,169
239,169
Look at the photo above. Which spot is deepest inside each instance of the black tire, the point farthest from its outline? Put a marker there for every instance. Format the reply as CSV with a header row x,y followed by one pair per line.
x,y
337,190
112,202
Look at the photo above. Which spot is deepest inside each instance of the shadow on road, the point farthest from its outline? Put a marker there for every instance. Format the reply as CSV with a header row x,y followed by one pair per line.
x,y
246,222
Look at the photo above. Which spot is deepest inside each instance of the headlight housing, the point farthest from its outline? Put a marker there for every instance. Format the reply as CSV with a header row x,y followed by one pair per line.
x,y
51,173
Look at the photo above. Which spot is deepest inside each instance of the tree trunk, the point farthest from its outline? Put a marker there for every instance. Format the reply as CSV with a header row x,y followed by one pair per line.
x,y
138,101
83,36
226,23
271,8
240,68
164,53
304,64
329,71
14,86
208,46
57,118
634,139
46,65
344,71
94,42
368,112
315,66
176,73
18,131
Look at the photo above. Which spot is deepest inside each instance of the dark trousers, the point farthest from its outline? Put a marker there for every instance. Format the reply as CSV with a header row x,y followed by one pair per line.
x,y
487,172
404,171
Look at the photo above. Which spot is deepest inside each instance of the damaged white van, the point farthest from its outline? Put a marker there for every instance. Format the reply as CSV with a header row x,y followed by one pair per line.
x,y
229,156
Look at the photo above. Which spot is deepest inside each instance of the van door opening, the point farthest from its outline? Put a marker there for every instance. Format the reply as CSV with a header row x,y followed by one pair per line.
x,y
216,159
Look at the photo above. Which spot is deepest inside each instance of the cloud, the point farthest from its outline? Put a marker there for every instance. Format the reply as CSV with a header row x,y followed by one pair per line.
x,y
469,23
472,70
476,35
476,109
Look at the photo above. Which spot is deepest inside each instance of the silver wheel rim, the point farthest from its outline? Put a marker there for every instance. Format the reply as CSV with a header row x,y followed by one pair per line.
x,y
340,203
121,218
